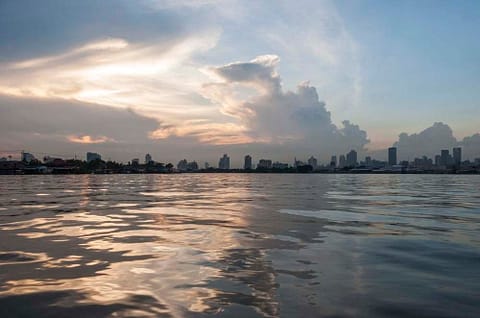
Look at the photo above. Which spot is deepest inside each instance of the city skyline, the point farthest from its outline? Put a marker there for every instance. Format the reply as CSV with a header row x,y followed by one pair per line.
x,y
443,160
305,78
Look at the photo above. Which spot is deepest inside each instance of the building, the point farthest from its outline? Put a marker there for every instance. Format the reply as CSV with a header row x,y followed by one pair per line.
x,y
457,156
264,164
368,161
247,162
148,159
92,156
392,156
312,161
352,158
182,165
279,165
192,166
437,160
135,162
444,157
333,161
224,162
298,163
342,162
27,157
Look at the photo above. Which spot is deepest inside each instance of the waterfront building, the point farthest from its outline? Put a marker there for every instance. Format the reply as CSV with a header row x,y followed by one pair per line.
x,y
342,162
247,162
333,161
224,162
27,157
279,165
445,157
392,156
91,156
148,159
457,156
312,161
352,158
135,162
368,161
182,165
192,166
264,164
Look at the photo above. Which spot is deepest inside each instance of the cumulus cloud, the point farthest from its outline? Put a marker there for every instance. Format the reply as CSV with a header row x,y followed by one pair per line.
x,y
431,140
252,92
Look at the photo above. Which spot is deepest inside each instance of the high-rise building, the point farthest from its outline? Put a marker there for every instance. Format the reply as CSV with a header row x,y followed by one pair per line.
x,y
182,165
224,162
247,163
457,156
392,156
148,159
312,161
333,161
192,166
342,162
438,160
91,156
444,157
352,158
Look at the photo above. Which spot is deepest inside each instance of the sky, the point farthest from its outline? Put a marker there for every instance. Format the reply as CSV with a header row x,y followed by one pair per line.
x,y
275,79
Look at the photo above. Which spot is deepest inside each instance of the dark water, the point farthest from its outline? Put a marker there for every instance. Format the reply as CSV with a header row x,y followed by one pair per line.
x,y
240,245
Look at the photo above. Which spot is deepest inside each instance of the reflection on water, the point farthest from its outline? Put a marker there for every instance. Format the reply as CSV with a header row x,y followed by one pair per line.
x,y
240,245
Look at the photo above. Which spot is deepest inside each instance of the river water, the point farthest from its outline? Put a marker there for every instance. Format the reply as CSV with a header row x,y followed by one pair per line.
x,y
240,245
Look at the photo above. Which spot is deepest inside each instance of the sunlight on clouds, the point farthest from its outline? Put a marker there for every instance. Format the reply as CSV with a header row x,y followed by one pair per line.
x,y
113,72
86,139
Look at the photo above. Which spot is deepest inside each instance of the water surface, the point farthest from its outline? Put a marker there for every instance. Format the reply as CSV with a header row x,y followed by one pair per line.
x,y
240,245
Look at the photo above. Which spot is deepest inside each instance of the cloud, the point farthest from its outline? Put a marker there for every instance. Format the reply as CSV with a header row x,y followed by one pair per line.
x,y
252,93
52,125
86,139
431,140
471,146
113,72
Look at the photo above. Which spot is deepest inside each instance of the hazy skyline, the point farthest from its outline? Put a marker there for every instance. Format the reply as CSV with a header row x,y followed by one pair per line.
x,y
196,79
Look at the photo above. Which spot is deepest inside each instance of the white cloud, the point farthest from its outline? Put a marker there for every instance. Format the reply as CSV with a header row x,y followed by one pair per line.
x,y
271,114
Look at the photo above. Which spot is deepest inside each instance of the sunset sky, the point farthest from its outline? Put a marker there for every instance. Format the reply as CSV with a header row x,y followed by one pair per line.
x,y
276,79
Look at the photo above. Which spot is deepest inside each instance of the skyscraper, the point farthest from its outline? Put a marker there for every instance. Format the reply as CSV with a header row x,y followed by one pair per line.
x,y
224,162
333,161
392,156
247,162
352,158
312,161
342,162
444,157
148,159
457,156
